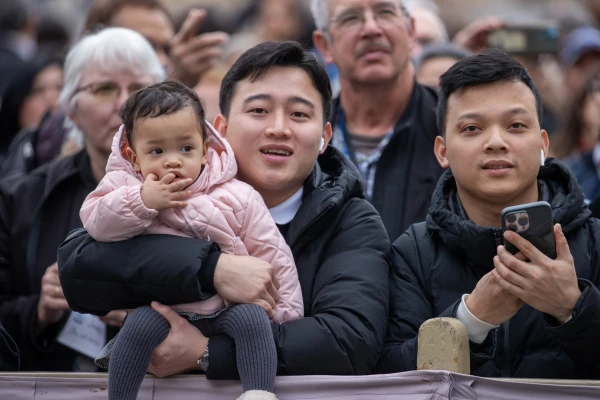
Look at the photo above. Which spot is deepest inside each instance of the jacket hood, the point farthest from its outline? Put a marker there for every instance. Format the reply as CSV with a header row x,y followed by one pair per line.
x,y
477,244
338,174
220,168
333,182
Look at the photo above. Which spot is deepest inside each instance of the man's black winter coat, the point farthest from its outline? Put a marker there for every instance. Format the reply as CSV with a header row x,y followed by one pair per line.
x,y
438,261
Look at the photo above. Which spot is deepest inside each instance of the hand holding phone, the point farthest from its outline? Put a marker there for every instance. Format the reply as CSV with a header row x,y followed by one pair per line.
x,y
530,39
548,285
533,221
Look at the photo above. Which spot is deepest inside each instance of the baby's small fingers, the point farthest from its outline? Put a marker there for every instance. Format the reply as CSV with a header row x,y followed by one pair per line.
x,y
179,204
180,185
183,195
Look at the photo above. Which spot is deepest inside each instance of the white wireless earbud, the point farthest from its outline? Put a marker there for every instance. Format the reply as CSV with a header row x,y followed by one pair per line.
x,y
322,144
543,157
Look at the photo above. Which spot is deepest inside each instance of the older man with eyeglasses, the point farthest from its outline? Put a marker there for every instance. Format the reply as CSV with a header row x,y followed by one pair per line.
x,y
383,120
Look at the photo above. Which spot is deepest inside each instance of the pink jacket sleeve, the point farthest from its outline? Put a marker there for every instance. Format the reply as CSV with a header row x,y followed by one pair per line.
x,y
263,240
114,211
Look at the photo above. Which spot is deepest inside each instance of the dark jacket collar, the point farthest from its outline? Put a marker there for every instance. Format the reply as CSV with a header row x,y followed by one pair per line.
x,y
60,180
333,181
477,244
63,169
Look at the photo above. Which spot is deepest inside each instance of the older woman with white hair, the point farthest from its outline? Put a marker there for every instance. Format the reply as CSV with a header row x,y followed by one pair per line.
x,y
38,211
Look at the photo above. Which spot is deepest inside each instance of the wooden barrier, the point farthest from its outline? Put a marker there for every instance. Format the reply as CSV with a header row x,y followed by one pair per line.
x,y
444,345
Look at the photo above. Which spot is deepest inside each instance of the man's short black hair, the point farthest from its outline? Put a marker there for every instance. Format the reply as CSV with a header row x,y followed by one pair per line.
x,y
255,62
161,99
488,67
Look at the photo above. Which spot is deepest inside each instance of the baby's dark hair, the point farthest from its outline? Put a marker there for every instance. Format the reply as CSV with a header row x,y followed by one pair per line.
x,y
161,99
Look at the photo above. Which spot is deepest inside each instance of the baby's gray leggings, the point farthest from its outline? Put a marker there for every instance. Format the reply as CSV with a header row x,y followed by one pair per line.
x,y
144,329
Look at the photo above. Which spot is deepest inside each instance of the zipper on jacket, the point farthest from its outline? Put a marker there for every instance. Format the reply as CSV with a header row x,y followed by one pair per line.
x,y
498,236
311,223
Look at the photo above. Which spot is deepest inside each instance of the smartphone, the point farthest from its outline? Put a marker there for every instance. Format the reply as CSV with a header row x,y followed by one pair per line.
x,y
533,221
529,39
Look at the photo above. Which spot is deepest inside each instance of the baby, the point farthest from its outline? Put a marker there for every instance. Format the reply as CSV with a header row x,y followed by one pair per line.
x,y
171,173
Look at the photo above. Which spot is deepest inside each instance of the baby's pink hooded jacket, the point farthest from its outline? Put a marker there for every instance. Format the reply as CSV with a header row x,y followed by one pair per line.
x,y
221,208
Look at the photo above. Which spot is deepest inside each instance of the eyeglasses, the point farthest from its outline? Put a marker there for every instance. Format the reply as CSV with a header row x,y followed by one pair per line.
x,y
107,92
353,20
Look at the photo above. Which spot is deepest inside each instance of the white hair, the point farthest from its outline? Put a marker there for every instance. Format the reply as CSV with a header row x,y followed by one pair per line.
x,y
429,4
111,49
320,13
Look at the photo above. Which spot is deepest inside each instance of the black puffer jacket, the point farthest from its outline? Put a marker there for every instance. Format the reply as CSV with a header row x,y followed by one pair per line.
x,y
341,251
37,212
436,262
9,353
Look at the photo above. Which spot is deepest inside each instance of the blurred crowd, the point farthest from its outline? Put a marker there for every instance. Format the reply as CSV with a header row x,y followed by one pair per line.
x,y
60,104
35,36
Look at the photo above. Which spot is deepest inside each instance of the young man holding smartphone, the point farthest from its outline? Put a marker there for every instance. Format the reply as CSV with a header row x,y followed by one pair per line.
x,y
527,315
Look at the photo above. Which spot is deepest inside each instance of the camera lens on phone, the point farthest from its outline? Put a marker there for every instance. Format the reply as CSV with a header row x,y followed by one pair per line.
x,y
523,221
511,218
512,227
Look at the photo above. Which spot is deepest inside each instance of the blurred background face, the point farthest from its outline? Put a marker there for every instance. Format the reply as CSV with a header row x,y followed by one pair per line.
x,y
494,123
208,90
152,23
430,70
590,115
43,96
370,40
209,94
99,99
577,74
429,29
279,20
580,125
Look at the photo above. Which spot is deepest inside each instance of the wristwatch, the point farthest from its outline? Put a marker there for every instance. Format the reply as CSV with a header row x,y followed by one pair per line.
x,y
203,360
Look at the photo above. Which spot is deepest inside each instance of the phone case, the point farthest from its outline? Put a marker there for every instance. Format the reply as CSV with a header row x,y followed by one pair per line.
x,y
539,230
536,38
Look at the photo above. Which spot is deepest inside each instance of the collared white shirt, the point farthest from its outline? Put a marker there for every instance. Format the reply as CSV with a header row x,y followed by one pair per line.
x,y
285,212
22,45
